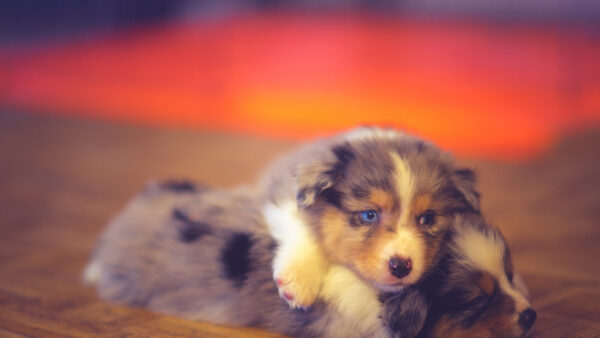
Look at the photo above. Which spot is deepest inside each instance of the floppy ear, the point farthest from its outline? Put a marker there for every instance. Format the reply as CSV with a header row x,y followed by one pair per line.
x,y
465,181
311,180
315,177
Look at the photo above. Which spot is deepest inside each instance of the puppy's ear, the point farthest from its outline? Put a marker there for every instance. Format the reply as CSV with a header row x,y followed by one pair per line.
x,y
466,182
311,180
315,177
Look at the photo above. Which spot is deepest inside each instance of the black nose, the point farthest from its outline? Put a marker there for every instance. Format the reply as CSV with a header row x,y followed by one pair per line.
x,y
400,267
527,318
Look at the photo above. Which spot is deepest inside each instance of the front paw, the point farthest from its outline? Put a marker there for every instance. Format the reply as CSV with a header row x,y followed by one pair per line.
x,y
405,313
299,293
299,287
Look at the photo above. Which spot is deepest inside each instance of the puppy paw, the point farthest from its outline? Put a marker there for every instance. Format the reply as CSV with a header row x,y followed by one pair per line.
x,y
297,289
299,268
405,313
299,284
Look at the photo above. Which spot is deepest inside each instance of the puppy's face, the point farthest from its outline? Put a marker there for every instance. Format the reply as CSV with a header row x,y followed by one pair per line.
x,y
483,298
382,206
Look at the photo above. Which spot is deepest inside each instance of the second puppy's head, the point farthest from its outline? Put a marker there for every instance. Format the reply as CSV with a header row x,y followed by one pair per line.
x,y
381,202
472,292
479,295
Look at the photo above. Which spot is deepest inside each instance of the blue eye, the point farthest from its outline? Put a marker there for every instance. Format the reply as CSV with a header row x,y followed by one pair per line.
x,y
369,216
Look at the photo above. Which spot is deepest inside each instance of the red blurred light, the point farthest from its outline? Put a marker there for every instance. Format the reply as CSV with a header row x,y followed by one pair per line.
x,y
472,87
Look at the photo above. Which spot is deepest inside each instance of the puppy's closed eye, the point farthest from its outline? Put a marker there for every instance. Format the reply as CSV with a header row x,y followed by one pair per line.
x,y
475,308
471,303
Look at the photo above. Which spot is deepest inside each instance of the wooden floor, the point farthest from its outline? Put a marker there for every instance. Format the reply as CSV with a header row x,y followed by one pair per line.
x,y
61,180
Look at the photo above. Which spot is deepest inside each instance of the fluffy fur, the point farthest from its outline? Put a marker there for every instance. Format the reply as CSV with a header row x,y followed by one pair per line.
x,y
473,292
315,199
206,255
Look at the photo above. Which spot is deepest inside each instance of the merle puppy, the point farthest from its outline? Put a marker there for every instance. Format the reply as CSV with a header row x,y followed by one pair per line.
x,y
206,255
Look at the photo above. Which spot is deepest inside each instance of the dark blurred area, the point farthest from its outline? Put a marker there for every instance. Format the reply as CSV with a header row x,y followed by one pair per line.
x,y
33,20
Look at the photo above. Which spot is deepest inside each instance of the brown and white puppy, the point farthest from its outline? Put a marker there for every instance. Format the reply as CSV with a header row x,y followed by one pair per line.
x,y
377,201
474,292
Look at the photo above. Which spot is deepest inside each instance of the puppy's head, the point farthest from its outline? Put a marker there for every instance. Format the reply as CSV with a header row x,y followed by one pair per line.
x,y
481,295
381,203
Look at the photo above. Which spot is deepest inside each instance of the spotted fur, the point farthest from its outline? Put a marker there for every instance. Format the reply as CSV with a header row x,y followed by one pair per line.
x,y
224,276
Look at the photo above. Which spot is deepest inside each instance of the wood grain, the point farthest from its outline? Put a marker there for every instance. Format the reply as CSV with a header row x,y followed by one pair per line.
x,y
61,180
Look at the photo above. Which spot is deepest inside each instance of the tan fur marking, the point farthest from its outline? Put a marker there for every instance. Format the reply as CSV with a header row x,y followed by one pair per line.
x,y
347,246
382,199
486,284
370,262
332,232
421,204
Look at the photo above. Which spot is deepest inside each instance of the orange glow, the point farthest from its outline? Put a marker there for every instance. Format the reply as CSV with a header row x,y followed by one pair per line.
x,y
474,88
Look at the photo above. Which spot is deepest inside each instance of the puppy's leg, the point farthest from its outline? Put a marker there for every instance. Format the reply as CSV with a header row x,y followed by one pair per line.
x,y
298,269
405,313
299,266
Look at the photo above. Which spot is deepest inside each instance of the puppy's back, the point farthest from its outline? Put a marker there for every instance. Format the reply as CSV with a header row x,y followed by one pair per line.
x,y
202,256
206,256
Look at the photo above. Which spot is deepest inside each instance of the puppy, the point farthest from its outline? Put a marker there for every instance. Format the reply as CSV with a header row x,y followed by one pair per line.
x,y
377,201
473,292
206,255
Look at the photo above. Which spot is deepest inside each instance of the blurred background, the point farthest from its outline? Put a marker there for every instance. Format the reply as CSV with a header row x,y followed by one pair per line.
x,y
493,79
